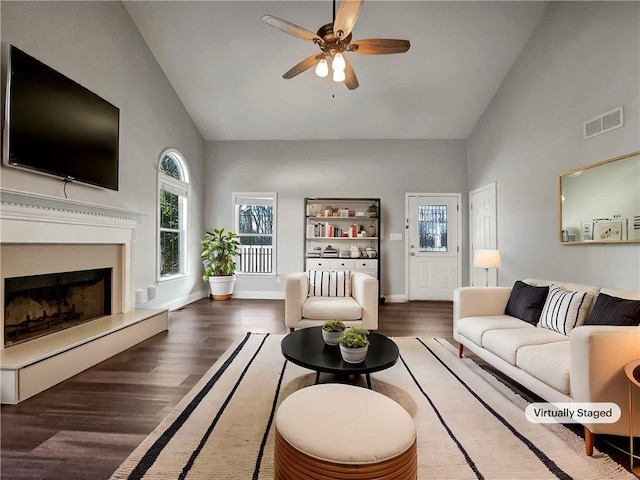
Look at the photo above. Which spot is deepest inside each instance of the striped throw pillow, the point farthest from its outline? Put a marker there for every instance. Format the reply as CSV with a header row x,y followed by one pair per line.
x,y
326,283
564,310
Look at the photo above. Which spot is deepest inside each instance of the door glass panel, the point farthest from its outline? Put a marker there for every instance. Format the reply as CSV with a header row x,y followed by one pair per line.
x,y
432,228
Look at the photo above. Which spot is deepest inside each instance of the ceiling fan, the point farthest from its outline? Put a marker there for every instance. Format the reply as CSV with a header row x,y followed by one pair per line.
x,y
334,39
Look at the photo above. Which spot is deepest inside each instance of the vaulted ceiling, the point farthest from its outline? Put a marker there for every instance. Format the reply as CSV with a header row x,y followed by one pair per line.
x,y
226,66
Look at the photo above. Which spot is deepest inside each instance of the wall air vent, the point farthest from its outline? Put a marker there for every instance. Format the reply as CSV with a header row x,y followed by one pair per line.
x,y
604,123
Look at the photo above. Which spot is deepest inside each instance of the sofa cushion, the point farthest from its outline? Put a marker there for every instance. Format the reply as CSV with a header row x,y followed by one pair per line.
x,y
526,302
617,311
506,343
324,308
329,283
549,363
474,328
564,309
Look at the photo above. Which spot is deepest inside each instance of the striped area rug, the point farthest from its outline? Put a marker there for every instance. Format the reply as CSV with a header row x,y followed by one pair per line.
x,y
469,425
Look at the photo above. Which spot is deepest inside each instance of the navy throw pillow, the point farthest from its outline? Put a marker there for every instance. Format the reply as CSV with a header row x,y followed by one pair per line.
x,y
617,311
526,302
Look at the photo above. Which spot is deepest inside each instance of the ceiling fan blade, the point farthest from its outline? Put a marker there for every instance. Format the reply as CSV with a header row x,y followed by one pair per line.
x,y
346,18
291,28
350,80
305,64
378,46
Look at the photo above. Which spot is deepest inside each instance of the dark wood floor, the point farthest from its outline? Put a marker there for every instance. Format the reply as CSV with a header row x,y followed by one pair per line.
x,y
85,427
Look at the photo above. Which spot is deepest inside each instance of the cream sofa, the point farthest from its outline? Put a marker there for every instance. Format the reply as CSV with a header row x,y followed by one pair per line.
x,y
585,366
358,308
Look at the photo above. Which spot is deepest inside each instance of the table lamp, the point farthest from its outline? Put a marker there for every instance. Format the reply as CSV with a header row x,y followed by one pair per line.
x,y
486,259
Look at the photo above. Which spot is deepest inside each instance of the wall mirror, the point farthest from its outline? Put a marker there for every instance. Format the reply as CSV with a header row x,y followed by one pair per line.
x,y
600,203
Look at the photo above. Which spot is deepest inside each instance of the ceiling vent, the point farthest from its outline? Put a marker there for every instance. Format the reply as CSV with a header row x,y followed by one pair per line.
x,y
604,123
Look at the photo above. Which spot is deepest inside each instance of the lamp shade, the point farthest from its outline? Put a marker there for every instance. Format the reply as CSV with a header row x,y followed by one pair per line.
x,y
486,258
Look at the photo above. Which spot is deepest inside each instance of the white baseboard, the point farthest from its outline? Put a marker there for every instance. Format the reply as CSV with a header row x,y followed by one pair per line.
x,y
276,295
396,298
181,302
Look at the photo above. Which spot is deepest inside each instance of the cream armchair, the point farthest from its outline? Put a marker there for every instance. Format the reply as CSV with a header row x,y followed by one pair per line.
x,y
359,308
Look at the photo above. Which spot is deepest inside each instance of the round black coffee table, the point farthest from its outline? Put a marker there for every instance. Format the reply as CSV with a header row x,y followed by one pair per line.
x,y
306,348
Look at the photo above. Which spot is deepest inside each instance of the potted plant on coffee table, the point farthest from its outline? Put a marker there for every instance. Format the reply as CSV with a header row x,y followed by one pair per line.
x,y
354,344
219,252
331,331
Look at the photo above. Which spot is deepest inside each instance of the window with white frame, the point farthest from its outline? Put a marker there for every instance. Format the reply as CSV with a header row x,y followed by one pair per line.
x,y
255,224
173,194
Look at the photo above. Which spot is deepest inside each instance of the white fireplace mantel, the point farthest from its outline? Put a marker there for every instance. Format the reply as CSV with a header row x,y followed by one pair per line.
x,y
29,220
30,204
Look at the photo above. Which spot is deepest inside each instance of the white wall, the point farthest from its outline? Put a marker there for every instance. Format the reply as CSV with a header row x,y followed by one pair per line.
x,y
582,60
347,168
98,45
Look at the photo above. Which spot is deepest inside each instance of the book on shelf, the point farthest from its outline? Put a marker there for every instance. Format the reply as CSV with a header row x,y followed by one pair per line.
x,y
327,230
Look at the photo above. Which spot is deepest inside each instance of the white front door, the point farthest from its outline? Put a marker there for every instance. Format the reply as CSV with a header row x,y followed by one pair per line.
x,y
433,246
482,231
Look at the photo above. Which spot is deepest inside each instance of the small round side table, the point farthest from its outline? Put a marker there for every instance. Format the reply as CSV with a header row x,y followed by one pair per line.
x,y
632,371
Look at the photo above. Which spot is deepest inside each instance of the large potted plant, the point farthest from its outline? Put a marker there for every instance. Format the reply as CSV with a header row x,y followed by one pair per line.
x,y
219,252
354,344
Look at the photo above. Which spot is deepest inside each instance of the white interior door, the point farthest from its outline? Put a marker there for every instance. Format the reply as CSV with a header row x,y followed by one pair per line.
x,y
433,246
482,230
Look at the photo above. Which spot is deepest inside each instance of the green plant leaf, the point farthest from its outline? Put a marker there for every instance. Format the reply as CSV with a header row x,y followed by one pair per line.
x,y
219,252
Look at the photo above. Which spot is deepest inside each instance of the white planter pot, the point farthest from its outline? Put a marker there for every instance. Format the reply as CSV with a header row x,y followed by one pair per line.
x,y
331,338
222,287
353,355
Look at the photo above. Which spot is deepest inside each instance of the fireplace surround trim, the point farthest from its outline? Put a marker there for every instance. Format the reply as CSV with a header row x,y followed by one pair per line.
x,y
30,218
26,218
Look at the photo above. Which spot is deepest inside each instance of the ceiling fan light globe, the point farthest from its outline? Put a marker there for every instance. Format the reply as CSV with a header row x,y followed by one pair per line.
x,y
322,68
338,76
338,62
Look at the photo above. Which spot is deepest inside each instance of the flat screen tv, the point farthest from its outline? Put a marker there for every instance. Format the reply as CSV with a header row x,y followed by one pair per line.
x,y
56,126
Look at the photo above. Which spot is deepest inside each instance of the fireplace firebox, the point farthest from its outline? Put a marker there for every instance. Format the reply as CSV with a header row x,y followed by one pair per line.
x,y
39,305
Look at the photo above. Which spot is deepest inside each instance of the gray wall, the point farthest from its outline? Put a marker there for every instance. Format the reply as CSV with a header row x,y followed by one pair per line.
x,y
581,61
98,45
347,168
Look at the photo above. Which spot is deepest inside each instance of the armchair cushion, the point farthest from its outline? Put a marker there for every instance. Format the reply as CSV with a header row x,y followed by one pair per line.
x,y
323,308
324,283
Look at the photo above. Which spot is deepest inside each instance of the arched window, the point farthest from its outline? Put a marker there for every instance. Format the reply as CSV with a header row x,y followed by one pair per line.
x,y
173,194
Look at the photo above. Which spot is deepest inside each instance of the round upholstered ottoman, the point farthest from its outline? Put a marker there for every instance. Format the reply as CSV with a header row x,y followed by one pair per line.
x,y
335,431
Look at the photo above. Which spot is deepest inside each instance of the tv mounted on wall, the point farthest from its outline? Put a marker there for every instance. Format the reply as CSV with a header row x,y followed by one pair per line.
x,y
55,126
